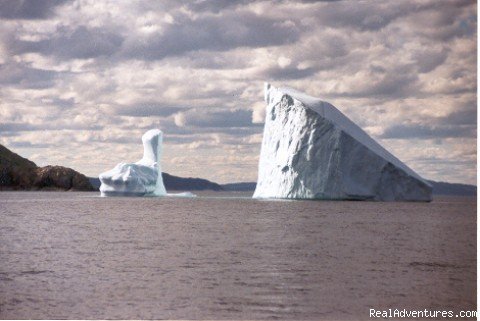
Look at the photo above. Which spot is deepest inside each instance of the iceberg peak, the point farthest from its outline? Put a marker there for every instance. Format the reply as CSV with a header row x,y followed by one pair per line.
x,y
312,150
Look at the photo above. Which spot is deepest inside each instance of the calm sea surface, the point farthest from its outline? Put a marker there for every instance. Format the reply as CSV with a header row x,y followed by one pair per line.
x,y
220,256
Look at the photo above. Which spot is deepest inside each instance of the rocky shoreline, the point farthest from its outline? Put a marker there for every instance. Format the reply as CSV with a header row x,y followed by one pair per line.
x,y
18,173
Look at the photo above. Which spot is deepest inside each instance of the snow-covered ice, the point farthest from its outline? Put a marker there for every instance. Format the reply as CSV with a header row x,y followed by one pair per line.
x,y
310,150
141,178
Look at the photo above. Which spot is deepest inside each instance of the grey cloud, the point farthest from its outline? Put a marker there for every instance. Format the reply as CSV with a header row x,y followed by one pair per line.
x,y
170,129
218,61
428,131
399,85
28,9
229,135
461,117
21,75
243,29
286,73
219,118
10,134
448,11
214,6
334,46
81,43
220,33
392,84
436,160
144,109
377,69
63,103
442,20
365,17
459,123
16,127
122,140
468,26
436,19
27,144
207,140
234,131
21,127
175,138
427,60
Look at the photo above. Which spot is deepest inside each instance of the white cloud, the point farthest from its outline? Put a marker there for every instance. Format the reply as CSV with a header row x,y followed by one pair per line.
x,y
179,119
283,61
258,113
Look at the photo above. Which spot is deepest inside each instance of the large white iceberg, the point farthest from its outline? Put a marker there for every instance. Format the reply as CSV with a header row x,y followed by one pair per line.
x,y
310,150
141,178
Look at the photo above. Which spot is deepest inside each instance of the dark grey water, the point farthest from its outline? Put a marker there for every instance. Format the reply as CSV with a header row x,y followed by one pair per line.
x,y
74,255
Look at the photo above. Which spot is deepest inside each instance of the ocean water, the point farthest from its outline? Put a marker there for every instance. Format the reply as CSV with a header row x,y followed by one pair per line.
x,y
224,256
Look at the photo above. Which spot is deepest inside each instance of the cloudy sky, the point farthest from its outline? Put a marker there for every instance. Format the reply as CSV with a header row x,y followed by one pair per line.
x,y
80,81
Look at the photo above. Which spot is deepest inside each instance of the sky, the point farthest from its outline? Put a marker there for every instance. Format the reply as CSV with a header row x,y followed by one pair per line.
x,y
81,81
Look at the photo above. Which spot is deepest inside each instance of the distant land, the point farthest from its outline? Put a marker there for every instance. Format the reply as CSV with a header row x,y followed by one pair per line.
x,y
18,173
179,183
439,188
240,187
443,188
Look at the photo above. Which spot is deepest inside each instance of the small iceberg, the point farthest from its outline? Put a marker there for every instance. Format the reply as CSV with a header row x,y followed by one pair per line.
x,y
143,178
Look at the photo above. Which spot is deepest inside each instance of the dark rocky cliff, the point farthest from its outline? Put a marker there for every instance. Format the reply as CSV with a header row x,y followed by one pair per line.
x,y
18,173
